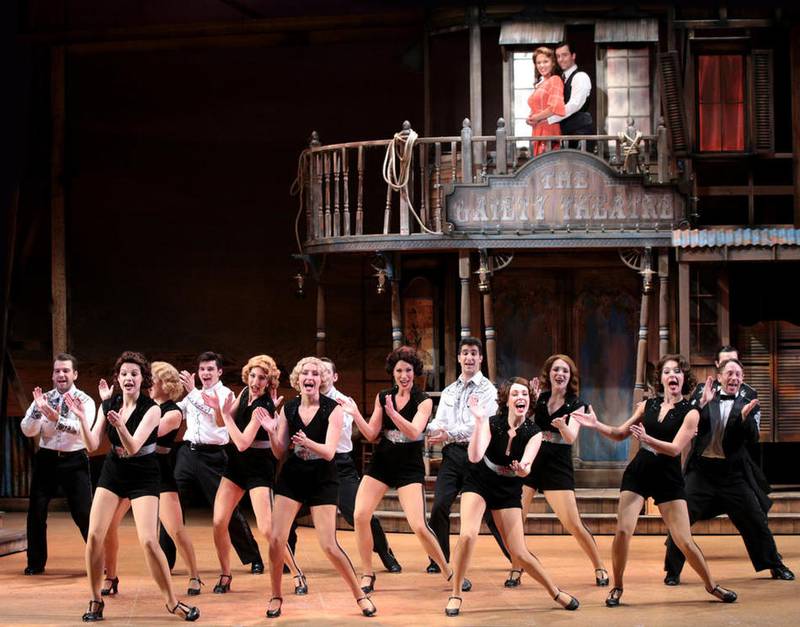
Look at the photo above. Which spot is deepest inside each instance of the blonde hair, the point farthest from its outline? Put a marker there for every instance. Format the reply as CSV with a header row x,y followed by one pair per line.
x,y
267,364
294,377
167,374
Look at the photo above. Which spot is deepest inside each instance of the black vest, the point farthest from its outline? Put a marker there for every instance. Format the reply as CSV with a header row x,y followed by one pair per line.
x,y
580,122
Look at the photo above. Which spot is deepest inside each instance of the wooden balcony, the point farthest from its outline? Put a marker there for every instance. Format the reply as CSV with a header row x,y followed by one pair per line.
x,y
472,192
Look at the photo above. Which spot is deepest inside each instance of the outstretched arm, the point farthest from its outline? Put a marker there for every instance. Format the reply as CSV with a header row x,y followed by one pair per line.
x,y
370,429
523,466
589,419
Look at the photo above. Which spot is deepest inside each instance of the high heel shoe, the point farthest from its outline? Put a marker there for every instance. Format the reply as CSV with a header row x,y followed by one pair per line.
x,y
302,585
95,611
724,595
603,579
453,611
223,585
189,614
277,611
112,589
466,585
370,587
573,604
193,592
612,600
367,612
513,582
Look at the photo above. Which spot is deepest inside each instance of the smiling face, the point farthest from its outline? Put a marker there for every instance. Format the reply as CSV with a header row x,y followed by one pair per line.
x,y
519,400
64,375
672,378
257,381
130,379
544,65
209,373
470,359
310,378
731,378
560,374
403,373
565,58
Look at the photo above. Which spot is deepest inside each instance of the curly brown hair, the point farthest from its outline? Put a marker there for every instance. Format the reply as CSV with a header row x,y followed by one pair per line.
x,y
505,390
406,354
550,54
574,385
689,380
132,357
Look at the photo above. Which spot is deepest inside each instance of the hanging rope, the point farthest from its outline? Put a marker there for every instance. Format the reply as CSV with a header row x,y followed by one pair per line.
x,y
397,169
298,185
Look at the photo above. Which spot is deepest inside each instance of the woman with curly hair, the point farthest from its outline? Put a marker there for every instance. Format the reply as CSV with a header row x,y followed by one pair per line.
x,y
399,417
130,420
664,426
251,464
552,472
501,450
308,427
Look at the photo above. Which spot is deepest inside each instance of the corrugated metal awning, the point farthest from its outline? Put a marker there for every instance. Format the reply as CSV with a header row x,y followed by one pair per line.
x,y
713,238
539,32
626,31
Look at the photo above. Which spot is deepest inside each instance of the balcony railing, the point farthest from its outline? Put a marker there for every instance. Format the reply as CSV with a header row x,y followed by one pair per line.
x,y
345,196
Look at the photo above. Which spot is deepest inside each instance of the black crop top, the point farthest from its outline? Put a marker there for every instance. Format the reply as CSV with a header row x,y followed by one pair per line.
x,y
408,412
667,429
244,413
542,416
168,439
317,429
498,427
143,403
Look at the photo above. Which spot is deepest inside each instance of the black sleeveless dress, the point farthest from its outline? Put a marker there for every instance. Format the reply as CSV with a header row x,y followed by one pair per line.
x,y
398,463
131,477
304,477
497,483
254,467
552,469
653,474
164,446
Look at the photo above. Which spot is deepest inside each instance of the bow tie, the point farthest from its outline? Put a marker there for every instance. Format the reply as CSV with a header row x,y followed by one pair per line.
x,y
727,397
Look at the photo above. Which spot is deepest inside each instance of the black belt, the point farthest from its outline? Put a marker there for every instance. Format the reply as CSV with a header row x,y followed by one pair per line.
x,y
344,457
461,444
206,448
63,453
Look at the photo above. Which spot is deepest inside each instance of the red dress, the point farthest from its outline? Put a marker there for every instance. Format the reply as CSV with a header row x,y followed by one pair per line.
x,y
547,94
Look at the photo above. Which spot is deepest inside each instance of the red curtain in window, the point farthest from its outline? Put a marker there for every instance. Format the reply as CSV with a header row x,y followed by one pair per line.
x,y
721,102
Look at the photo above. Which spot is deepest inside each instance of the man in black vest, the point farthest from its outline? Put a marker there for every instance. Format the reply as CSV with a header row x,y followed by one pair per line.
x,y
720,476
577,87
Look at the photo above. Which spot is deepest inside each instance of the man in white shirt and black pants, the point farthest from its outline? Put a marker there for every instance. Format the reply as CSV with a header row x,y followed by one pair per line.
x,y
201,459
60,461
577,120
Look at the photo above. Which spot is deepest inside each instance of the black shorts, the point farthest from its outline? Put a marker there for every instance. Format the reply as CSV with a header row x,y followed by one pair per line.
x,y
498,491
654,475
310,482
397,465
252,468
167,470
131,477
552,468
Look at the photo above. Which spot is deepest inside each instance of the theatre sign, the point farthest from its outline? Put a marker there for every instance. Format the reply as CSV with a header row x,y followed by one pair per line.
x,y
564,190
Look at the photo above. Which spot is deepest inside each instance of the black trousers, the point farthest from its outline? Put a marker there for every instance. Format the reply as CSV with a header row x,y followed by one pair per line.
x,y
449,482
70,471
714,488
202,471
349,480
581,125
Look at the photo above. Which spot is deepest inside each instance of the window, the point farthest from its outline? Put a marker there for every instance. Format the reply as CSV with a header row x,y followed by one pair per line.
x,y
628,89
720,91
704,311
522,81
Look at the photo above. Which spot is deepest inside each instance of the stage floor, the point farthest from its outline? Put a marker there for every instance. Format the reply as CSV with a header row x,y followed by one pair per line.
x,y
410,598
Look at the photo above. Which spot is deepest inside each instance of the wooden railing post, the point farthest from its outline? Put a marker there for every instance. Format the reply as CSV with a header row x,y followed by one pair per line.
x,y
316,191
663,302
437,186
424,186
404,217
360,199
500,147
466,151
661,148
463,275
346,192
337,218
326,173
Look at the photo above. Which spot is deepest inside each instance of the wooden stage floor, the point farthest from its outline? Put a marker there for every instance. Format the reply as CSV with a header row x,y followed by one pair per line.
x,y
411,598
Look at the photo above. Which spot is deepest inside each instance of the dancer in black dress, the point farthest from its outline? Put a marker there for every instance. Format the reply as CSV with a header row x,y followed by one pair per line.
x,y
501,451
552,471
251,464
664,426
308,427
400,417
130,420
166,390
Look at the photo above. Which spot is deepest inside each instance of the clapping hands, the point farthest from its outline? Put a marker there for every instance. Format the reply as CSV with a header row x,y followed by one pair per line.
x,y
267,420
104,390
75,406
43,406
187,379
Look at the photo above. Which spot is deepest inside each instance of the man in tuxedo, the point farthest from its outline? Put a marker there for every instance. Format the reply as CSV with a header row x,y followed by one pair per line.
x,y
720,476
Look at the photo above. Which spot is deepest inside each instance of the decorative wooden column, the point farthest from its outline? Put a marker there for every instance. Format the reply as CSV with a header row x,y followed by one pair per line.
x,y
684,310
641,352
491,340
58,280
321,333
475,84
663,302
397,331
463,275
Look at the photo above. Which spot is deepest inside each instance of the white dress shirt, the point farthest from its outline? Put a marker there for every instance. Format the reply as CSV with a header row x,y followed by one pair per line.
x,y
345,443
201,422
65,434
581,87
453,414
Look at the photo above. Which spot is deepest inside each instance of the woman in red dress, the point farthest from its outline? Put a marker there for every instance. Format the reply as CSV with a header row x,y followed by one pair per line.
x,y
547,98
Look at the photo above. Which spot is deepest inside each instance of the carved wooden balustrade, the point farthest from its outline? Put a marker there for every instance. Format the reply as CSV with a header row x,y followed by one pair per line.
x,y
346,202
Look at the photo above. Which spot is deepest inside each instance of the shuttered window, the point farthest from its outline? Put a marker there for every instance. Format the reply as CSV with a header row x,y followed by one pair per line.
x,y
721,114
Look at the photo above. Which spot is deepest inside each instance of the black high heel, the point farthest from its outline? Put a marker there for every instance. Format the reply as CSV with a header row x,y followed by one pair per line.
x,y
603,580
371,611
223,586
612,600
95,611
193,592
302,585
513,582
277,611
190,614
573,604
466,585
724,595
453,611
370,587
112,589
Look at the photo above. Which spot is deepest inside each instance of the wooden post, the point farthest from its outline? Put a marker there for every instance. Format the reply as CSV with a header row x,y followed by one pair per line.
x,y
57,229
662,150
491,339
463,275
641,352
794,64
437,184
312,197
346,192
360,199
321,334
466,152
500,147
326,173
663,302
684,310
403,213
424,197
475,87
397,321
337,217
